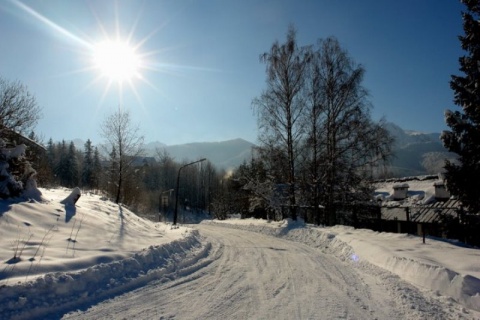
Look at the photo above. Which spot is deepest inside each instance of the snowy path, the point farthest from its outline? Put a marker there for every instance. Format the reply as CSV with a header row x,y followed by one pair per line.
x,y
248,275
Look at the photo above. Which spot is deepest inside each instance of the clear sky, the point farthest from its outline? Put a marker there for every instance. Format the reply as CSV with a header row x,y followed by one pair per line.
x,y
197,65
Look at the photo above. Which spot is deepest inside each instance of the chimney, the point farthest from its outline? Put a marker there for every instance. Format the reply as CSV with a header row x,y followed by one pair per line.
x,y
441,192
400,191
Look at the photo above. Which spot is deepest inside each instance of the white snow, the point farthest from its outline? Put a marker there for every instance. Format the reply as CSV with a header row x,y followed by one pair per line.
x,y
15,152
56,259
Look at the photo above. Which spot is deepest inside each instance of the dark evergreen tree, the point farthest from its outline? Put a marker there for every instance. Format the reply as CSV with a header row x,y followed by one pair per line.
x,y
464,137
72,166
61,165
88,165
51,154
97,169
13,167
52,161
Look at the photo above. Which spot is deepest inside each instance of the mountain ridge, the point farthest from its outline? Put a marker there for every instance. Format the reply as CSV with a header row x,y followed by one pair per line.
x,y
226,154
415,153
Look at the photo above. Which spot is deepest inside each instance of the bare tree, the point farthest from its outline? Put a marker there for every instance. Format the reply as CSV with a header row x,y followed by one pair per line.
x,y
125,139
167,169
280,107
18,107
346,142
315,127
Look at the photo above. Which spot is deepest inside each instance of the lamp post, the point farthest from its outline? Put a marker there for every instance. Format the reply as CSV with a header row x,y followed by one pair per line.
x,y
176,192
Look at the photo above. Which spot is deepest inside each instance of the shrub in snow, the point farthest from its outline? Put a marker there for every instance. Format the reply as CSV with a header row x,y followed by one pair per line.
x,y
17,177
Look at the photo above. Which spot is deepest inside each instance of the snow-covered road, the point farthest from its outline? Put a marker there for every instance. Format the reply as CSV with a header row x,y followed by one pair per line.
x,y
249,275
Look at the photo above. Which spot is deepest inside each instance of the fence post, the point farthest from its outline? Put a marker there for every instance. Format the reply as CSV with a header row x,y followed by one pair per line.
x,y
407,212
423,232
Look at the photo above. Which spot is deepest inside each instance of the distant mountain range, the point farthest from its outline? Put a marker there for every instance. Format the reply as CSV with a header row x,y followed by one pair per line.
x,y
224,155
416,153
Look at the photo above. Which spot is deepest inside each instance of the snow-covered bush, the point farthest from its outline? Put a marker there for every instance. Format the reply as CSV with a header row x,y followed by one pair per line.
x,y
17,177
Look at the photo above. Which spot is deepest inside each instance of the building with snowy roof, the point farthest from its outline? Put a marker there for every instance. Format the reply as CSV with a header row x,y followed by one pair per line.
x,y
416,205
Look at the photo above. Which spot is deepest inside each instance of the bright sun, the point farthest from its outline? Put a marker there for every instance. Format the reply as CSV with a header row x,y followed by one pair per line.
x,y
117,61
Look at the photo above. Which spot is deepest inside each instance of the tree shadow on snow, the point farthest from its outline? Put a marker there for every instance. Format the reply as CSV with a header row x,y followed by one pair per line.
x,y
6,205
122,222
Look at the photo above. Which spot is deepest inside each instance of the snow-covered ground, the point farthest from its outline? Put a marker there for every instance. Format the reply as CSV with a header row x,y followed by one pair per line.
x,y
104,261
55,257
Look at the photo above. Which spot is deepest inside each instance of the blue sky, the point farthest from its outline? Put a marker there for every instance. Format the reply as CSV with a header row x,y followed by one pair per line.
x,y
200,60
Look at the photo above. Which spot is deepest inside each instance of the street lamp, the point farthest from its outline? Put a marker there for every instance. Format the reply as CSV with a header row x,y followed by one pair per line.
x,y
178,182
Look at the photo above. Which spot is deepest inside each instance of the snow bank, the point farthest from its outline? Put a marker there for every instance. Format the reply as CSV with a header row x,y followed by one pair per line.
x,y
60,291
57,257
438,266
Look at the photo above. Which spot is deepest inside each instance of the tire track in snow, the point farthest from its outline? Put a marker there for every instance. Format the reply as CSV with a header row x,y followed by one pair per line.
x,y
254,276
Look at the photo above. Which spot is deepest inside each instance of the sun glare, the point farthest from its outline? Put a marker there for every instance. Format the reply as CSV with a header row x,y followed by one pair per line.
x,y
116,60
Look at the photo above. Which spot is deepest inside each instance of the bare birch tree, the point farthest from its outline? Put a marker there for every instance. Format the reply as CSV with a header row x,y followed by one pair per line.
x,y
280,107
125,139
345,141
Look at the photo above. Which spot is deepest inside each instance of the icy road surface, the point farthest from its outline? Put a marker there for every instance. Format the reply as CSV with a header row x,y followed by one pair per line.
x,y
248,275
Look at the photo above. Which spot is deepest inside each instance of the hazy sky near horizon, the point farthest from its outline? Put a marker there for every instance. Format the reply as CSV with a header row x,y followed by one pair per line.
x,y
199,65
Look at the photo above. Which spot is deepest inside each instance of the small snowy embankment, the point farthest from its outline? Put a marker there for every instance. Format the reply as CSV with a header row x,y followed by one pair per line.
x,y
441,267
57,256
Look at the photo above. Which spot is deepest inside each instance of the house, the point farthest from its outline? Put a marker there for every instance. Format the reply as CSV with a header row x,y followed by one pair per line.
x,y
416,205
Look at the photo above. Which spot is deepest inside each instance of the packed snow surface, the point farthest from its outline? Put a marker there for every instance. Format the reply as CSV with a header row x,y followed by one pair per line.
x,y
98,260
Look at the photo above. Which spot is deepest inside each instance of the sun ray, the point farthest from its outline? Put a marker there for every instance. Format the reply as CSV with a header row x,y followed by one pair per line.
x,y
137,96
50,23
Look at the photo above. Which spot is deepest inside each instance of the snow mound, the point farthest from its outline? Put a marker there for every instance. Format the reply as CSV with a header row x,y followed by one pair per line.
x,y
72,197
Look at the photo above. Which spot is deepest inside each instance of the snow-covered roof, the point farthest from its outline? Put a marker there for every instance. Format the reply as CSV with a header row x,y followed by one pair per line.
x,y
433,212
421,190
430,213
10,134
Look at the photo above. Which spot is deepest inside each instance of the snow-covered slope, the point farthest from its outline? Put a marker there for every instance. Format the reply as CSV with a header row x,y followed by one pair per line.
x,y
54,256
